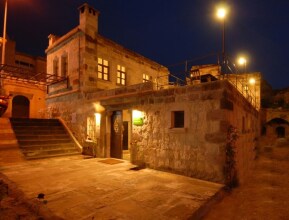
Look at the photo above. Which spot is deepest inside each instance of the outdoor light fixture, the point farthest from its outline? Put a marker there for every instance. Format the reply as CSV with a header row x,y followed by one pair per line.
x,y
252,81
221,13
137,117
97,119
242,61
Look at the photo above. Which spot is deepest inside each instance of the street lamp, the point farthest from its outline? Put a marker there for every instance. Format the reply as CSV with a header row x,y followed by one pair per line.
x,y
3,44
4,33
243,62
221,14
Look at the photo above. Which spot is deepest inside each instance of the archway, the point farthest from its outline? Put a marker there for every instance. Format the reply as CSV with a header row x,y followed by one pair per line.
x,y
280,132
20,107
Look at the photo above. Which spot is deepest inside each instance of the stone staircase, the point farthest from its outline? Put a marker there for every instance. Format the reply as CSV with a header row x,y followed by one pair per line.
x,y
42,138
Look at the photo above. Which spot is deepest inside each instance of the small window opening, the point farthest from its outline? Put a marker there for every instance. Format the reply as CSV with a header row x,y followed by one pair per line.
x,y
178,119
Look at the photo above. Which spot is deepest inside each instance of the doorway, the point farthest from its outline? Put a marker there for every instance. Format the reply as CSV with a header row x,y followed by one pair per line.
x,y
116,135
280,131
20,107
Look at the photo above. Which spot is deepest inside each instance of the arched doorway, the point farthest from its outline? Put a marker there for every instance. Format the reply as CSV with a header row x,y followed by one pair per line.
x,y
20,107
280,131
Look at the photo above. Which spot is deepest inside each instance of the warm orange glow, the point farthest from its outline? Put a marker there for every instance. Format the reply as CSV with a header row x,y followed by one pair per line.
x,y
97,119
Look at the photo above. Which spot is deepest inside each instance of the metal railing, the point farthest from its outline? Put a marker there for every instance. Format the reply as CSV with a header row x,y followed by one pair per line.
x,y
161,84
242,85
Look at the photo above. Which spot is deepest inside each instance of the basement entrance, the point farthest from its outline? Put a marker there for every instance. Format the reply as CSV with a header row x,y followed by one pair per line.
x,y
20,107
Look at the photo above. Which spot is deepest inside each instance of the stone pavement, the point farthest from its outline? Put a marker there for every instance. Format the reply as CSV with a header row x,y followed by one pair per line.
x,y
265,195
78,188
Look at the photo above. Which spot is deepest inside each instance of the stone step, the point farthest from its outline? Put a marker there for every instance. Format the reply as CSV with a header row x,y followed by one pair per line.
x,y
48,147
6,130
39,132
16,124
8,142
44,127
44,142
7,136
4,147
50,153
41,136
32,120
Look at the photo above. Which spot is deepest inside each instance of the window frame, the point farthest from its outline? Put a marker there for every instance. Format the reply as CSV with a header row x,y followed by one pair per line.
x,y
176,121
146,78
102,69
121,75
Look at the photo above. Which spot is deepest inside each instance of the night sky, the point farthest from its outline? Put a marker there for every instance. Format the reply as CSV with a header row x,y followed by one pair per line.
x,y
167,31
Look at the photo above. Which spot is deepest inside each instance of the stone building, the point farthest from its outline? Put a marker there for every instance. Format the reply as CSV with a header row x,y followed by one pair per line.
x,y
117,101
275,114
27,95
92,64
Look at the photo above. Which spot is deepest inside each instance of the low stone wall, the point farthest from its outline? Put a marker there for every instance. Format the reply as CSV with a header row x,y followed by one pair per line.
x,y
198,149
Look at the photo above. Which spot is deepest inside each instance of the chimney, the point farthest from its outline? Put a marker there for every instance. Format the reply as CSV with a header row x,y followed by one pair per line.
x,y
52,38
88,20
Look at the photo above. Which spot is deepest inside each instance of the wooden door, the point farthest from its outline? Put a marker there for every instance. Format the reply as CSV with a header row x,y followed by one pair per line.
x,y
116,135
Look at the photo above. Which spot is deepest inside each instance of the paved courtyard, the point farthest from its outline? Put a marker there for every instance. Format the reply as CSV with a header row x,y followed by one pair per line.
x,y
78,188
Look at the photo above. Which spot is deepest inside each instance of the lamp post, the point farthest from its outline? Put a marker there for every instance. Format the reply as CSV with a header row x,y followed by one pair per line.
x,y
3,44
221,14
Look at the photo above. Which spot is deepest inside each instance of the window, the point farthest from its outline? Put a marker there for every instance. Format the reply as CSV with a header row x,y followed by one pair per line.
x,y
64,68
121,75
24,64
145,78
102,69
178,119
55,66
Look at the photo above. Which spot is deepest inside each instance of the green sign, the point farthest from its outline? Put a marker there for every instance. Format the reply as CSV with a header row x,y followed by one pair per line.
x,y
138,121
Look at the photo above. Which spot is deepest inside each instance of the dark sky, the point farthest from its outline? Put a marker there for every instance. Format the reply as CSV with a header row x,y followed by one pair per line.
x,y
167,31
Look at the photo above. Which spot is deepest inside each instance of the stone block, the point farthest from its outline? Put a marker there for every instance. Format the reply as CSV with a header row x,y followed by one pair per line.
x,y
216,137
193,97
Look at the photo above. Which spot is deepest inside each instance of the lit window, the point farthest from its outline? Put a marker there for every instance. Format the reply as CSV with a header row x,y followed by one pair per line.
x,y
121,75
102,69
178,119
145,78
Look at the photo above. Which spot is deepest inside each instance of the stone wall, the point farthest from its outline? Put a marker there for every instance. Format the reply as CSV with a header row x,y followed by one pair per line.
x,y
198,149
